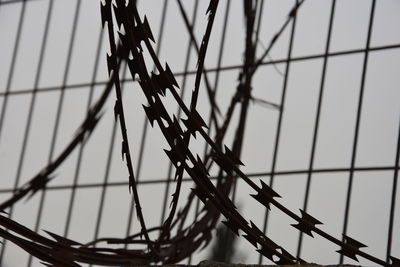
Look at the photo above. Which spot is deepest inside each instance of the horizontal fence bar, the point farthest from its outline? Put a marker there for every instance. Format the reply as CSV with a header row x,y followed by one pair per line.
x,y
193,72
251,175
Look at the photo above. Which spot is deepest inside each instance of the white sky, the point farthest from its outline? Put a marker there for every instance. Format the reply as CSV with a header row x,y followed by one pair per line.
x,y
369,212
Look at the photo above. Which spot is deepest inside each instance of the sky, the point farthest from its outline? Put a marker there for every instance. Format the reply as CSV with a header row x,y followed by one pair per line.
x,y
72,65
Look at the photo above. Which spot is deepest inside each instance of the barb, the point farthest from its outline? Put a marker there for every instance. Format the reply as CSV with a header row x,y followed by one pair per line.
x,y
175,140
40,180
119,108
212,9
62,251
211,94
206,191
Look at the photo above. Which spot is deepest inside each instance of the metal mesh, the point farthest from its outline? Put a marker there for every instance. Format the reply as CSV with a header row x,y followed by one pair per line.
x,y
322,130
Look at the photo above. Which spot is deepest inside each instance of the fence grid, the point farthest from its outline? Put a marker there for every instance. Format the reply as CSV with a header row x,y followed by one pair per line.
x,y
174,17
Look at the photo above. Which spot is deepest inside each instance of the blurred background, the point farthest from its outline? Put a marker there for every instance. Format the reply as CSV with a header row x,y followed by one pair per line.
x,y
334,74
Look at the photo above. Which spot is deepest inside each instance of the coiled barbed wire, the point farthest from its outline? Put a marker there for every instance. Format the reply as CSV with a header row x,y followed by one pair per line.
x,y
169,249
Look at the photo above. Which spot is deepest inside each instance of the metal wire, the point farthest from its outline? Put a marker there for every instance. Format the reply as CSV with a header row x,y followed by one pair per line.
x,y
5,100
316,125
220,68
279,123
357,124
212,70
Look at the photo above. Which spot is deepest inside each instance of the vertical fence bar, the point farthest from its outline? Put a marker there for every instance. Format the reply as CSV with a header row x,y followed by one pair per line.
x,y
62,94
357,125
393,201
12,65
280,119
316,122
33,99
5,99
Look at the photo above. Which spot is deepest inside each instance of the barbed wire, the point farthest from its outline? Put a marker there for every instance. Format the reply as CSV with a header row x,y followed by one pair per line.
x,y
172,248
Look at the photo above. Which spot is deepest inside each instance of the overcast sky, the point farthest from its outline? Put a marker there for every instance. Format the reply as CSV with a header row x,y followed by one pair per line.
x,y
377,142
